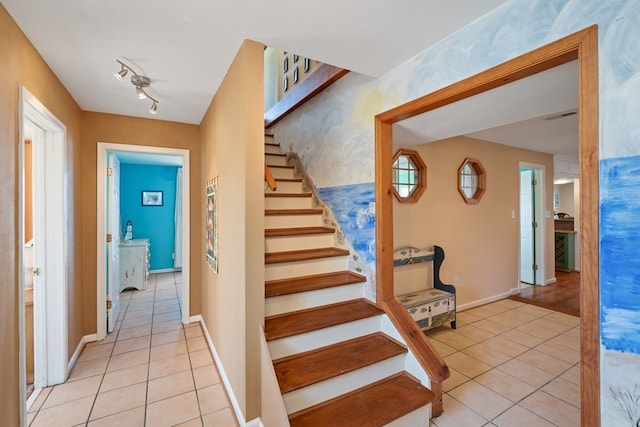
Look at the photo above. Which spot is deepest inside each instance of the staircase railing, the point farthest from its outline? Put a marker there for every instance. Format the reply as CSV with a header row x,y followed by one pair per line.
x,y
317,81
428,357
269,178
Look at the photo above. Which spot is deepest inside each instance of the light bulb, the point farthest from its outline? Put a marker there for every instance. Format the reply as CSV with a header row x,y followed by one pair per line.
x,y
120,74
154,108
140,92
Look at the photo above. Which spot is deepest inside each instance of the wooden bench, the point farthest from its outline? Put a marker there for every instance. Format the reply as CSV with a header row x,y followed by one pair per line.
x,y
430,307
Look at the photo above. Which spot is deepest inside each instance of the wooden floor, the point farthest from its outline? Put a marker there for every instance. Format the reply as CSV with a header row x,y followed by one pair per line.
x,y
562,296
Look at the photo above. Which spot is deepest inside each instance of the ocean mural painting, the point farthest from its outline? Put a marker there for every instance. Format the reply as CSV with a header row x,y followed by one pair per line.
x,y
354,208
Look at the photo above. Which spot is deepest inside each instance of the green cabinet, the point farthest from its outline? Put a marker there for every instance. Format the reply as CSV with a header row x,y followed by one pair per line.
x,y
565,250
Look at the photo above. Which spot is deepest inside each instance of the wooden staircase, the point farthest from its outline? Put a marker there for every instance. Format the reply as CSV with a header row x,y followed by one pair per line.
x,y
333,363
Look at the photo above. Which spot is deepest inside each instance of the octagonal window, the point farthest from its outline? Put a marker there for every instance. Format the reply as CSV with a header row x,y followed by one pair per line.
x,y
471,181
409,176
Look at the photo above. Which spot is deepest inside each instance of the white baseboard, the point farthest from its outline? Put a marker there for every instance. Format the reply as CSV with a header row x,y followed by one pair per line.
x,y
483,301
551,281
223,375
164,270
257,422
74,357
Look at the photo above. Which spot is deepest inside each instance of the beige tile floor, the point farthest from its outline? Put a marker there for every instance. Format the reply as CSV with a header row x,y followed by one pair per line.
x,y
151,371
512,364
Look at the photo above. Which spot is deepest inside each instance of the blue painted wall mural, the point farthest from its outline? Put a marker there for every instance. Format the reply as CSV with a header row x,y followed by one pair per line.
x,y
354,209
155,223
620,254
334,136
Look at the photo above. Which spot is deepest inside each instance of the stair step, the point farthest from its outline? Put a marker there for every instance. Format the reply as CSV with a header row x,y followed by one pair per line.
x,y
294,285
293,212
280,166
298,322
288,256
372,406
301,370
297,231
287,195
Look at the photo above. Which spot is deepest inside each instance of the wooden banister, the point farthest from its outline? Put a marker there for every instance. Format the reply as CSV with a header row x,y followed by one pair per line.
x,y
426,354
317,81
269,178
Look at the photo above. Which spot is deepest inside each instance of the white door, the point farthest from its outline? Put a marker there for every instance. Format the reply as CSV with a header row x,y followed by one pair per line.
x,y
39,264
114,230
527,235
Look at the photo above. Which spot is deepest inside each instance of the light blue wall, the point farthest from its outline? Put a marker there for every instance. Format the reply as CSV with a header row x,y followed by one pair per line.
x,y
341,121
155,223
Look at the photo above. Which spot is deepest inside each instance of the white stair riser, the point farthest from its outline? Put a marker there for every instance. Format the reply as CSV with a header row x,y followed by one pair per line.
x,y
286,187
272,149
282,173
411,364
295,243
287,202
418,418
325,390
275,160
283,221
302,300
284,270
323,337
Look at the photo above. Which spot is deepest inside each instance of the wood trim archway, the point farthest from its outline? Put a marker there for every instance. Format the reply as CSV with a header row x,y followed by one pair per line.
x,y
583,47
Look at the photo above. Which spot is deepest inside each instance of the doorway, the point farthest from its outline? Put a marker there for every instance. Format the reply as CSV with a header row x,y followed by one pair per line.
x,y
532,225
581,46
43,234
103,290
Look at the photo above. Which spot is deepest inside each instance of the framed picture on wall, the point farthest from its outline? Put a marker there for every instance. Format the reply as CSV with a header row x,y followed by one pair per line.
x,y
152,198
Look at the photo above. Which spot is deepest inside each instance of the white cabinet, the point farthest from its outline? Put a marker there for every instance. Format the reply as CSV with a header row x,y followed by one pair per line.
x,y
134,264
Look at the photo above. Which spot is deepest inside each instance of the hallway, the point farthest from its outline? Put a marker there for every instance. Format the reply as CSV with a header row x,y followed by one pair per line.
x,y
151,371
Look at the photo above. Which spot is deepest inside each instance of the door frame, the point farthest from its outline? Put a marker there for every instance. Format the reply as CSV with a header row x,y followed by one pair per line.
x,y
50,307
541,215
101,299
583,47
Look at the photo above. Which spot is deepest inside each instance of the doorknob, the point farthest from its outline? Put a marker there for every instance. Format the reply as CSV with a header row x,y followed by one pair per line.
x,y
36,271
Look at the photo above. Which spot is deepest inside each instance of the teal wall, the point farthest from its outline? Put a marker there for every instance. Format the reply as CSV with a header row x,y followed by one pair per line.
x,y
155,223
342,121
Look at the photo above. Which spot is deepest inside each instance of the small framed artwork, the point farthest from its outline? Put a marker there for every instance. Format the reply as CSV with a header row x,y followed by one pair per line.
x,y
295,58
285,64
306,65
285,84
295,75
152,198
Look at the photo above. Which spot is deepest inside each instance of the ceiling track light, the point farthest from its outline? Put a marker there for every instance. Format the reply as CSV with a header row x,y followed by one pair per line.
x,y
140,82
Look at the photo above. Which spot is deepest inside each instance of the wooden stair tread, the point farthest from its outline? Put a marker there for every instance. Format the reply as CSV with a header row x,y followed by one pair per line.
x,y
280,166
275,154
287,194
294,285
312,319
293,212
302,255
297,231
372,406
311,367
289,179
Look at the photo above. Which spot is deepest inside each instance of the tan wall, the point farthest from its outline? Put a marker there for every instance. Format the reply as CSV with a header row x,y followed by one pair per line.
x,y
233,151
99,127
481,242
22,65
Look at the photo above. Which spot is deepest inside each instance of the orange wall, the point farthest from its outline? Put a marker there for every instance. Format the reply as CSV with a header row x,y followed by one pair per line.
x,y
233,151
481,242
22,65
100,127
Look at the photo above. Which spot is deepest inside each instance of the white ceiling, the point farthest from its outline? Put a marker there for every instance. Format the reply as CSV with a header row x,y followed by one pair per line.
x,y
532,113
186,46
